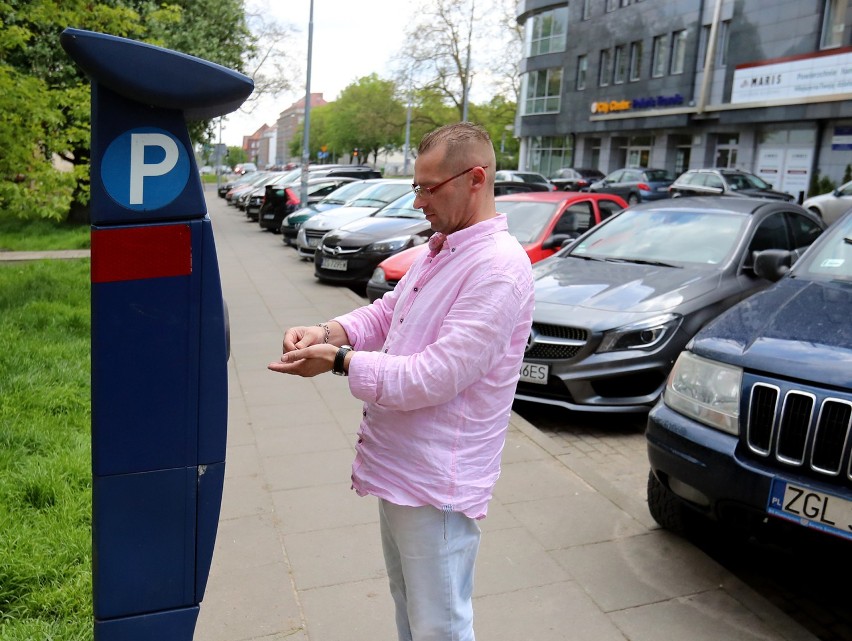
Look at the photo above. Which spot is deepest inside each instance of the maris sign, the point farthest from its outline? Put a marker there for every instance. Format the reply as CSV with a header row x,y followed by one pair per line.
x,y
145,168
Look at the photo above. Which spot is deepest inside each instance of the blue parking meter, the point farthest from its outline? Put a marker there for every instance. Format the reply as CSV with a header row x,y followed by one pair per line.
x,y
159,336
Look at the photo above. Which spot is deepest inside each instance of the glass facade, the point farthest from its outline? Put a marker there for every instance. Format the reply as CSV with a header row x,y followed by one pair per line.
x,y
542,91
546,32
546,154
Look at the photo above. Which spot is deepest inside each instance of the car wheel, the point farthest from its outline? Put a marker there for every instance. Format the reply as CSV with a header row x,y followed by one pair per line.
x,y
676,194
666,508
633,199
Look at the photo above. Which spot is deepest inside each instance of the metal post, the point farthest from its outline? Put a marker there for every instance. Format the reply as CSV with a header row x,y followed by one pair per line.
x,y
306,146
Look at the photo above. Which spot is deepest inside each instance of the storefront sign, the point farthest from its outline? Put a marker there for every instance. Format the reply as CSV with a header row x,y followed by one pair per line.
x,y
842,139
651,102
794,78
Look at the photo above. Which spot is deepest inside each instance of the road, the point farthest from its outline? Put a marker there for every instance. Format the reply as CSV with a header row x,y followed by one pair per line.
x,y
807,579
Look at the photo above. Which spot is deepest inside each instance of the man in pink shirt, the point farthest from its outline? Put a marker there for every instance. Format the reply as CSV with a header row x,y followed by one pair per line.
x,y
436,362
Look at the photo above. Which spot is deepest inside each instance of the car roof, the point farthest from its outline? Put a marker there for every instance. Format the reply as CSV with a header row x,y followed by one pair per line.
x,y
555,196
729,204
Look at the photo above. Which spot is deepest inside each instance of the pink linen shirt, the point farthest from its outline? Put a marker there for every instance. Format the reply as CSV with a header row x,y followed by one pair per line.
x,y
436,363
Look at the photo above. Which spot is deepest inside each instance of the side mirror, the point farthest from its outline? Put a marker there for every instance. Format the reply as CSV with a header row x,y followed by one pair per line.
x,y
773,264
836,192
557,241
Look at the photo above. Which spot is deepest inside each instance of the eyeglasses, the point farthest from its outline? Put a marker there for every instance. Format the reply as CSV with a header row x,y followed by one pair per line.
x,y
425,192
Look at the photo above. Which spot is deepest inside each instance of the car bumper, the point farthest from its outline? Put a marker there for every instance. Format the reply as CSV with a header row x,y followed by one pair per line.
x,y
377,290
270,221
648,196
610,382
713,472
359,268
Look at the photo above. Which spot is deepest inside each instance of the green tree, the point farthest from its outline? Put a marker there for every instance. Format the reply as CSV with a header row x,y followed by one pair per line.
x,y
236,156
319,135
44,96
367,116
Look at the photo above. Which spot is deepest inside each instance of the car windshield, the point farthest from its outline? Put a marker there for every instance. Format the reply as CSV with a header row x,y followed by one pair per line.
x,y
657,174
401,208
669,236
531,178
347,192
380,194
526,219
831,257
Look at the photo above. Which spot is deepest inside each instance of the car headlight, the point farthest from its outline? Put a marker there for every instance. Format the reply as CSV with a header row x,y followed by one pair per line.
x,y
378,276
389,245
646,334
705,390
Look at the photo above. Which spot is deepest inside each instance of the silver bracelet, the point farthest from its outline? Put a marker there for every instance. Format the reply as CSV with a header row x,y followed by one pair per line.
x,y
327,331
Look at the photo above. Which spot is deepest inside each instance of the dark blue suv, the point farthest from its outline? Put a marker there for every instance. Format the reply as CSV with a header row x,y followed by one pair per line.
x,y
756,417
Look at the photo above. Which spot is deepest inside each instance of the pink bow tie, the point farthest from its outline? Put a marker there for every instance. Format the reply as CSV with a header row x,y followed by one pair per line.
x,y
436,241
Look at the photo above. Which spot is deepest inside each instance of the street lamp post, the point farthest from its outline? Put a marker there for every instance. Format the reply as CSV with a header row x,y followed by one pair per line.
x,y
306,149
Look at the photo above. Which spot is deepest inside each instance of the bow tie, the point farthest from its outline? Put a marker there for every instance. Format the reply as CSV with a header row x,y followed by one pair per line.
x,y
436,241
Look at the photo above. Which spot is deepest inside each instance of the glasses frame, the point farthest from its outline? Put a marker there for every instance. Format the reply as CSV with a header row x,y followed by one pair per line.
x,y
425,192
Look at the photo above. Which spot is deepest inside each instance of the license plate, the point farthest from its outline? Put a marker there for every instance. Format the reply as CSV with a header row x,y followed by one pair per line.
x,y
810,508
534,373
333,263
662,188
313,242
268,216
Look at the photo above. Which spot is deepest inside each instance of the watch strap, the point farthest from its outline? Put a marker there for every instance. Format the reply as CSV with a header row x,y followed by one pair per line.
x,y
337,367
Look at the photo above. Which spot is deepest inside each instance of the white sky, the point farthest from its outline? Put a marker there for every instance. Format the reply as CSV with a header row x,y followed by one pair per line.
x,y
350,40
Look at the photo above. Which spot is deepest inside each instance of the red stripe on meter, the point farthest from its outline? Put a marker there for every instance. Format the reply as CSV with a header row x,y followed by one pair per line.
x,y
136,253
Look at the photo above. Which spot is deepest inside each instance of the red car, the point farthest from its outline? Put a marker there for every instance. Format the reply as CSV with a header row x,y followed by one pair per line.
x,y
541,221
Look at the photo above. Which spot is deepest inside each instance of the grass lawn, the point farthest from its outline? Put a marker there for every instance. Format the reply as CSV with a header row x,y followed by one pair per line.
x,y
45,463
41,235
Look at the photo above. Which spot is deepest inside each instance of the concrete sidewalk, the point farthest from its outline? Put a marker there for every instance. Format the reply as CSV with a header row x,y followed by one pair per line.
x,y
567,553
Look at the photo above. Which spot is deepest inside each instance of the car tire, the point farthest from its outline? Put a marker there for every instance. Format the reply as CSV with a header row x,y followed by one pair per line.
x,y
633,199
665,507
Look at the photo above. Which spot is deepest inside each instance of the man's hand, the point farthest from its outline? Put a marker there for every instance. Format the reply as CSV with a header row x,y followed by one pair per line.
x,y
309,361
301,337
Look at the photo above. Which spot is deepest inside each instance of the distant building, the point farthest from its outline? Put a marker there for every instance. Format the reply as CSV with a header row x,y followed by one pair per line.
x,y
764,86
289,126
260,146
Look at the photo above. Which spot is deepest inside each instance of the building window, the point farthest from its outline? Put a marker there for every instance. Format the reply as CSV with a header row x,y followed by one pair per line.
x,y
660,51
542,91
587,9
605,71
545,32
726,150
834,24
546,154
722,44
678,52
582,69
635,60
620,64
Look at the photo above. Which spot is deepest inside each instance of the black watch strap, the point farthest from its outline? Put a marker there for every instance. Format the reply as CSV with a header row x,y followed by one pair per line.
x,y
337,368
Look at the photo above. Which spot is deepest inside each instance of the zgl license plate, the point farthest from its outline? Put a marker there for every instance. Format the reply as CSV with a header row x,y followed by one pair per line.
x,y
313,242
534,373
334,263
810,508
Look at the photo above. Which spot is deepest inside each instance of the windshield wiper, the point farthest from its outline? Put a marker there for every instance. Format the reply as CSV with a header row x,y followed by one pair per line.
x,y
642,261
594,258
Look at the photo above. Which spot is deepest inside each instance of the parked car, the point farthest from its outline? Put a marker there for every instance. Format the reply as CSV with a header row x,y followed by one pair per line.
x,y
234,182
280,200
350,253
615,308
340,197
571,179
724,182
635,185
542,223
245,168
241,200
379,195
754,423
832,205
513,175
255,178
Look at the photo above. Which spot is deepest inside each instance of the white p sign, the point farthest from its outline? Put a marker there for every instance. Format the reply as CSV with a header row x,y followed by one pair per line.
x,y
139,170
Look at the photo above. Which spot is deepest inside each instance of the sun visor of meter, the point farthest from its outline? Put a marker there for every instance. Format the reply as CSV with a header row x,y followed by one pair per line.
x,y
156,76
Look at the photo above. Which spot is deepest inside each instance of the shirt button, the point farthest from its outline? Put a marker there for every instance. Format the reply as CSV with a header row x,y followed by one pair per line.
x,y
415,289
401,319
386,350
453,249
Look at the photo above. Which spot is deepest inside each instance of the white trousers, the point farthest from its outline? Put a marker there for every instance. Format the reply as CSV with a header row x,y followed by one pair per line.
x,y
430,556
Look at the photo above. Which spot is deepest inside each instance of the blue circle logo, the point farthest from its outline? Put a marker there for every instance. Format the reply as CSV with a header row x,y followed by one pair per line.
x,y
145,169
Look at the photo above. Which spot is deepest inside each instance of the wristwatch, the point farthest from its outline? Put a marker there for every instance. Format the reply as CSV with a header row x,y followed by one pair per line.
x,y
337,368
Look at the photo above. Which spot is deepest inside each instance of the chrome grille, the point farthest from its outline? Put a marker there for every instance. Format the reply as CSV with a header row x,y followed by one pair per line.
x,y
555,342
802,429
